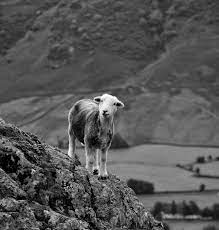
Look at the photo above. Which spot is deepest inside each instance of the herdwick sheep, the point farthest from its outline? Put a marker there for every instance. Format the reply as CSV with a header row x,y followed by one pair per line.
x,y
91,122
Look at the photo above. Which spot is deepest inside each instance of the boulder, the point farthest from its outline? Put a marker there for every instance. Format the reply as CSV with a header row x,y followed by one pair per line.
x,y
41,188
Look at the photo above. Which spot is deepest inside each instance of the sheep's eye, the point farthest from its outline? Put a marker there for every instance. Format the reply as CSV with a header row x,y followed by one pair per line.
x,y
114,103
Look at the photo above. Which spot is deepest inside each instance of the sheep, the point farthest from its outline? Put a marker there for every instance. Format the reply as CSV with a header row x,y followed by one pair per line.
x,y
91,122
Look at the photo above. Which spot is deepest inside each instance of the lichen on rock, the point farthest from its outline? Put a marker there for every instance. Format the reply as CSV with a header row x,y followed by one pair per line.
x,y
42,189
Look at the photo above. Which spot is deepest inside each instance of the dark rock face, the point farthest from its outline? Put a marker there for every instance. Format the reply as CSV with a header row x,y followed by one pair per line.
x,y
40,188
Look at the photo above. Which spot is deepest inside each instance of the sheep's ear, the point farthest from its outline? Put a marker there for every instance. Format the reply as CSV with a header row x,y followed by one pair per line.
x,y
97,99
119,104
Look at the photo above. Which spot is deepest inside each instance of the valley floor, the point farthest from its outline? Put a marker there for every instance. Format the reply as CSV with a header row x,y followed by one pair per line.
x,y
157,164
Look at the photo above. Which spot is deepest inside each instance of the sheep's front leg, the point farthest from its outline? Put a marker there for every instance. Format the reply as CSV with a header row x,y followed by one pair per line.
x,y
96,163
71,141
103,159
90,157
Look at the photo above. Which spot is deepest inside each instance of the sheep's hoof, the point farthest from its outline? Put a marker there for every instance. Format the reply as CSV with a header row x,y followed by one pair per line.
x,y
95,172
103,177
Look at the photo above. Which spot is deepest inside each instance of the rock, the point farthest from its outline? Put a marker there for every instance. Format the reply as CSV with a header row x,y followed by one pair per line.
x,y
60,52
97,17
76,5
8,59
97,35
38,25
41,188
205,71
2,121
29,36
120,38
17,214
155,4
156,16
85,36
118,5
3,33
167,35
38,12
80,29
142,21
141,12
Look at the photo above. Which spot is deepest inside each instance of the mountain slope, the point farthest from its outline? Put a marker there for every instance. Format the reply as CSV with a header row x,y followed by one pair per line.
x,y
159,57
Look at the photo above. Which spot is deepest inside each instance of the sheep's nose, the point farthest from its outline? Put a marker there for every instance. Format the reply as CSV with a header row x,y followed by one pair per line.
x,y
105,112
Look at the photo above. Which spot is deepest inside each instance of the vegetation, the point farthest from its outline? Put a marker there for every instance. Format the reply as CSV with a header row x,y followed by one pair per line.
x,y
207,212
166,226
197,170
185,209
173,207
202,187
123,49
140,186
210,227
200,159
210,158
215,211
202,167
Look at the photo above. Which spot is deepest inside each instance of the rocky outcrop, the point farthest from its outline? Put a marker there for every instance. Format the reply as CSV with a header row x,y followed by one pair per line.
x,y
40,188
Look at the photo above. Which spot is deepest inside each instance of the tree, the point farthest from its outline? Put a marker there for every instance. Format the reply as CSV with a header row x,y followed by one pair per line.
x,y
202,187
194,208
140,186
210,158
210,227
216,211
185,209
200,159
197,170
158,208
173,207
207,212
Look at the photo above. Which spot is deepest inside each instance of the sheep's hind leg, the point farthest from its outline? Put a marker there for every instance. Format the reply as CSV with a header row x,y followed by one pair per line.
x,y
96,163
90,153
103,159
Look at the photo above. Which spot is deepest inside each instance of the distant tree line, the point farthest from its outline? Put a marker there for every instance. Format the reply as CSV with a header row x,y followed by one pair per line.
x,y
185,208
207,159
210,227
141,187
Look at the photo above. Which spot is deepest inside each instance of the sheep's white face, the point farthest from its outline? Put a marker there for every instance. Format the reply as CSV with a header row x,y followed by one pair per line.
x,y
108,105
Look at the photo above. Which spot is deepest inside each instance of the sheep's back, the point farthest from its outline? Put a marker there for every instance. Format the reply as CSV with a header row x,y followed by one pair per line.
x,y
82,113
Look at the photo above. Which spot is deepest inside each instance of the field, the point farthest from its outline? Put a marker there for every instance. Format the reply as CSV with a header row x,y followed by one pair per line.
x,y
192,225
203,200
209,168
156,163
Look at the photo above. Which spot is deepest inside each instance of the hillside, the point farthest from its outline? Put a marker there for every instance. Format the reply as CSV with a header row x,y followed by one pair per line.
x,y
159,57
40,188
